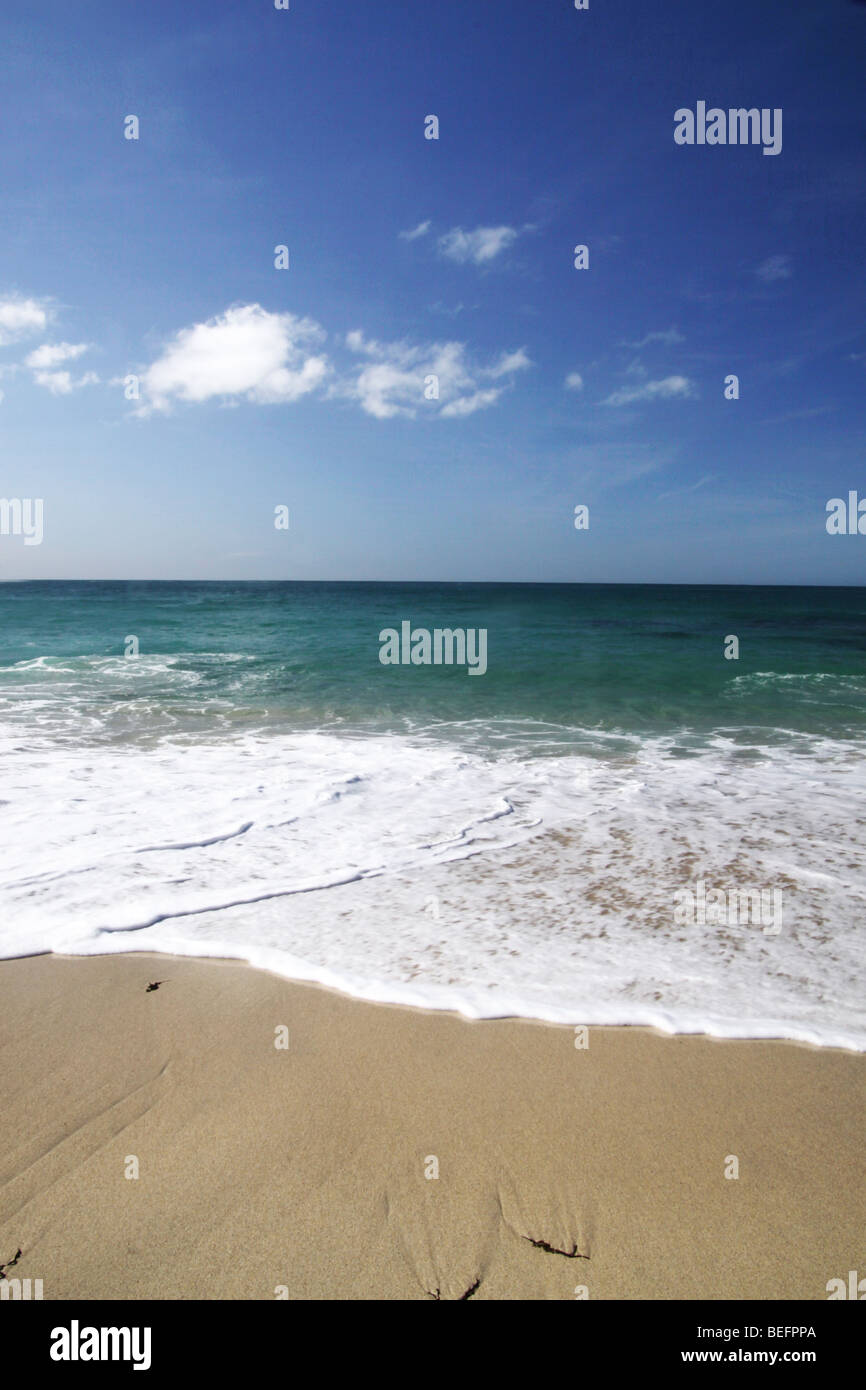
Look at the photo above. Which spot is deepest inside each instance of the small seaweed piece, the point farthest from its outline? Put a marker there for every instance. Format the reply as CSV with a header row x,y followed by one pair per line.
x,y
552,1250
9,1263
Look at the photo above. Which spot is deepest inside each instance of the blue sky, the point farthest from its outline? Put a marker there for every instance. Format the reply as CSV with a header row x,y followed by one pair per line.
x,y
304,387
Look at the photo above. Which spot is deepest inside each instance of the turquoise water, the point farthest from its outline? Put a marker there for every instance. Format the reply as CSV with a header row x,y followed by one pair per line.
x,y
256,783
612,658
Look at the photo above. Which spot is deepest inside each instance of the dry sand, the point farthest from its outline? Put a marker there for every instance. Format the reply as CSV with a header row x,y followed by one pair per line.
x,y
304,1168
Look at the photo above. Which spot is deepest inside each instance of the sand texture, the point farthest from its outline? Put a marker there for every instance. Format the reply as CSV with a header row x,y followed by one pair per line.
x,y
304,1169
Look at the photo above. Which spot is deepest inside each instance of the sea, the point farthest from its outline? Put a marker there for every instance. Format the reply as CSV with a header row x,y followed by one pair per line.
x,y
255,783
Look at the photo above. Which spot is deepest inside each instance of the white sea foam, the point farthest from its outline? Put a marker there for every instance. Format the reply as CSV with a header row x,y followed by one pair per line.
x,y
428,872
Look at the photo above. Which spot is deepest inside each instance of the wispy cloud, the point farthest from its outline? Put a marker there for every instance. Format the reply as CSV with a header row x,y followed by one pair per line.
x,y
574,381
449,311
668,336
480,246
467,405
774,268
806,414
600,467
509,362
666,389
421,230
397,375
684,491
636,368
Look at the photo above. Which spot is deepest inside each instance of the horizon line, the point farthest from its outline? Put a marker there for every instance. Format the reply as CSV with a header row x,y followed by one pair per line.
x,y
516,583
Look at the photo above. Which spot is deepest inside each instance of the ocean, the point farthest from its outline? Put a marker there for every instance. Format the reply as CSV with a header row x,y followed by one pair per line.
x,y
578,834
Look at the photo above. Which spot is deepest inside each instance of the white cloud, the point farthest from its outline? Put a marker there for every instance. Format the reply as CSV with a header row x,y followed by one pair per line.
x,y
774,268
52,354
668,336
440,308
58,383
246,352
652,390
62,383
421,230
574,381
384,389
44,362
509,362
478,246
395,379
467,405
19,318
250,354
371,348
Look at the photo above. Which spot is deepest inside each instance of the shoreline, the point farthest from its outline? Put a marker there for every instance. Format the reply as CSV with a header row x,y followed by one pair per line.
x,y
402,997
309,1168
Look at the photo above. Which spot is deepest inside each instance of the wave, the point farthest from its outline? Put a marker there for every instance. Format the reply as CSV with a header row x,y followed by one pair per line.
x,y
434,870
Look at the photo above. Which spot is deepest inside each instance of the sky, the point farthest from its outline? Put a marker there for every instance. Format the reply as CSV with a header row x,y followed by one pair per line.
x,y
166,385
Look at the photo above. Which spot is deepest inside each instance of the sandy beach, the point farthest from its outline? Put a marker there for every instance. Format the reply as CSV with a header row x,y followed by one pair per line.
x,y
307,1171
